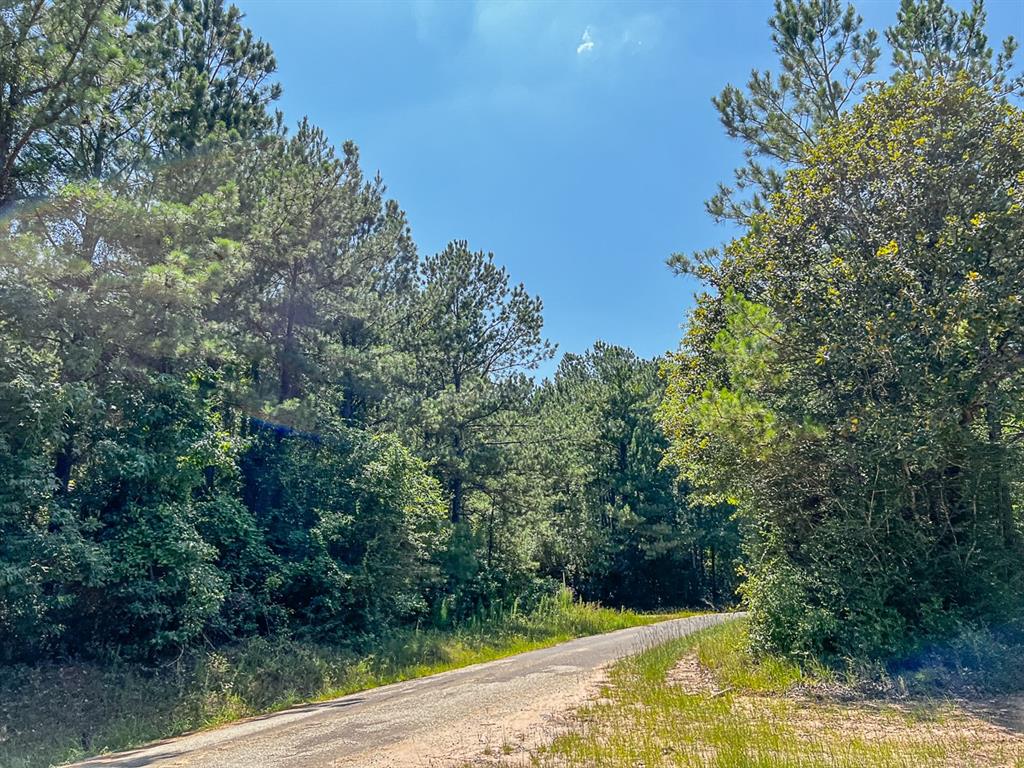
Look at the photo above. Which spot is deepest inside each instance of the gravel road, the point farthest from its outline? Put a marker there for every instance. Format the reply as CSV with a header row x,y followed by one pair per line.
x,y
447,719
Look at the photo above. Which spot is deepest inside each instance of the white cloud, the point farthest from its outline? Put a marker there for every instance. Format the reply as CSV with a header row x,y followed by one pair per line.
x,y
586,43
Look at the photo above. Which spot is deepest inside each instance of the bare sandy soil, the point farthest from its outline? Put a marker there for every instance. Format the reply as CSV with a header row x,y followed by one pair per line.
x,y
466,715
992,728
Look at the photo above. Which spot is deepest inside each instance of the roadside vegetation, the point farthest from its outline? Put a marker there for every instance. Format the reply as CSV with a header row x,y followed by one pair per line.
x,y
852,377
852,382
55,713
704,701
256,449
237,402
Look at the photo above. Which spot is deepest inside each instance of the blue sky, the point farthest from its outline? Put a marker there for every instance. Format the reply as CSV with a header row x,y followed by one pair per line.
x,y
575,140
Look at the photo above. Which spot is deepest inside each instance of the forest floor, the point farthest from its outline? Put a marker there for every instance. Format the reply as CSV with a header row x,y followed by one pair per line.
x,y
702,701
51,714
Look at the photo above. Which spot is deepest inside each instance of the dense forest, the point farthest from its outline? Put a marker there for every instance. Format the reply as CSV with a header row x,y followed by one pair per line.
x,y
237,401
234,398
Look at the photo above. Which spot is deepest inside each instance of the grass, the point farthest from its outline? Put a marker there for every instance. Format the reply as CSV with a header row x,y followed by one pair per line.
x,y
704,701
52,714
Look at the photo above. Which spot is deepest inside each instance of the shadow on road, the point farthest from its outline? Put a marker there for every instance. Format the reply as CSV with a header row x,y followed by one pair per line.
x,y
134,759
1006,712
145,756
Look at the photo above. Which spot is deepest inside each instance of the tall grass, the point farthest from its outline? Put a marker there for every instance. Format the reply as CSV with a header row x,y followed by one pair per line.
x,y
51,714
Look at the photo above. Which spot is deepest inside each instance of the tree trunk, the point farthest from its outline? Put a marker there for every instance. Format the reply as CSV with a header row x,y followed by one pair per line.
x,y
714,578
457,499
63,465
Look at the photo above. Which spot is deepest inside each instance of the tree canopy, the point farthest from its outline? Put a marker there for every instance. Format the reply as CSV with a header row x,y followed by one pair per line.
x,y
235,399
853,379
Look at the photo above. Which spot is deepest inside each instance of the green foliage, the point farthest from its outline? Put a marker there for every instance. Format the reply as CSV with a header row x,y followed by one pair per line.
x,y
861,399
825,62
233,400
325,256
59,62
624,530
103,89
210,72
851,381
353,523
470,338
111,552
981,660
931,39
825,59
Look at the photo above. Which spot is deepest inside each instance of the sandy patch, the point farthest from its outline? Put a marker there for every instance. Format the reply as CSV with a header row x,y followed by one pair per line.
x,y
692,676
500,737
992,729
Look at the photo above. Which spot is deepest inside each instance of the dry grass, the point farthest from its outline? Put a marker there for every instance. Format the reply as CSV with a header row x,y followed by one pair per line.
x,y
703,701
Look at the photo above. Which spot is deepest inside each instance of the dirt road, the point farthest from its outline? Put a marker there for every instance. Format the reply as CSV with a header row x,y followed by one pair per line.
x,y
443,720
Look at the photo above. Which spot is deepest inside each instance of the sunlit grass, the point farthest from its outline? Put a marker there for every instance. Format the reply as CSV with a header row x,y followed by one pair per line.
x,y
54,714
742,712
727,654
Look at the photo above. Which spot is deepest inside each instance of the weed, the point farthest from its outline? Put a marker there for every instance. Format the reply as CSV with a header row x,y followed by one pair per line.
x,y
738,711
